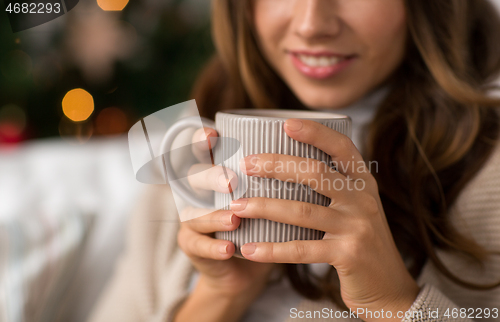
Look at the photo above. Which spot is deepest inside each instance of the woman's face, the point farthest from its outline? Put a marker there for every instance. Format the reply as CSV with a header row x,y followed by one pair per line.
x,y
331,52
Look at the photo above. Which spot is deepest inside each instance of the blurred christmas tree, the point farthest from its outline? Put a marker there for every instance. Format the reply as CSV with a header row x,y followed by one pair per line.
x,y
132,62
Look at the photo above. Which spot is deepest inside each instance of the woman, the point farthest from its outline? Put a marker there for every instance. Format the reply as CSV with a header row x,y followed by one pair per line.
x,y
418,237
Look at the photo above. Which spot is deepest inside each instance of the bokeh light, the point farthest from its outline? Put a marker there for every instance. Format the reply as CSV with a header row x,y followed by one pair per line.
x,y
12,123
112,5
47,72
78,105
111,121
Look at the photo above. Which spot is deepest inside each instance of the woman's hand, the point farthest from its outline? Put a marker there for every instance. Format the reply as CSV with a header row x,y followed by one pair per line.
x,y
358,241
231,283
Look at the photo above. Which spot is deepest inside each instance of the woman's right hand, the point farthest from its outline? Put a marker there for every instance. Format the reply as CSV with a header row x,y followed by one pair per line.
x,y
213,257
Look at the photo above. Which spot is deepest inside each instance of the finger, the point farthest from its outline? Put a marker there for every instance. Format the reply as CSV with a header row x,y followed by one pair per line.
x,y
345,155
307,171
297,213
202,246
208,221
295,252
214,178
203,141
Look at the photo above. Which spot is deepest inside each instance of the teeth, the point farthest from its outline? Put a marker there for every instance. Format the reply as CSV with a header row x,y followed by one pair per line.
x,y
322,61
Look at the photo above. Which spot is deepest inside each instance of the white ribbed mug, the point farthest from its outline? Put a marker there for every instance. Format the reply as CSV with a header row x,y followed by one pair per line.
x,y
261,131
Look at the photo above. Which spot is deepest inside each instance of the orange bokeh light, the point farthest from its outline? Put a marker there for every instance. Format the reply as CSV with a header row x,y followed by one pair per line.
x,y
111,121
112,5
78,105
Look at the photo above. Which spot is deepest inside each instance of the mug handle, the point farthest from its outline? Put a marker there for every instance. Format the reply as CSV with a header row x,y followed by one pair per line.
x,y
166,145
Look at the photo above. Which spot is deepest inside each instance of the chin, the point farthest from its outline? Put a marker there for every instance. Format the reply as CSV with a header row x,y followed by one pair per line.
x,y
327,100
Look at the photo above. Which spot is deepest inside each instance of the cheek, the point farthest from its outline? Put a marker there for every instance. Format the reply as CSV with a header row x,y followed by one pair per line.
x,y
381,27
271,21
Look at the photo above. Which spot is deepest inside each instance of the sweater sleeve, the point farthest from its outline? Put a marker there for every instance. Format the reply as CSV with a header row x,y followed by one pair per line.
x,y
476,216
432,305
151,279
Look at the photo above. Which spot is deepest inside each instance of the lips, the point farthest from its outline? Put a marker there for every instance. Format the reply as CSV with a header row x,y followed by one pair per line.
x,y
320,65
321,61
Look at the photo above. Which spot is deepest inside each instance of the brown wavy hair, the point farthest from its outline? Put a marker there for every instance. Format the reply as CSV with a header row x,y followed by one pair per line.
x,y
432,133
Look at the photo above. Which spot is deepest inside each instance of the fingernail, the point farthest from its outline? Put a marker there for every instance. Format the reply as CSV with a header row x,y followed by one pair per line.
x,y
248,249
203,136
223,249
223,182
239,204
227,219
249,162
293,124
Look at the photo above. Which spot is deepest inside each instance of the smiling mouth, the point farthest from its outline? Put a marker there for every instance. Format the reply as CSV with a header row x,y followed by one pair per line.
x,y
320,61
320,65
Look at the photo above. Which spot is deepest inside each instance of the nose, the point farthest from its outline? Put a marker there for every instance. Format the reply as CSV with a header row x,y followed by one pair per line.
x,y
317,19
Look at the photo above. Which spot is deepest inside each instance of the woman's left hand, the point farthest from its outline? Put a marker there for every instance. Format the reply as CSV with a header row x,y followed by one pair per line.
x,y
357,241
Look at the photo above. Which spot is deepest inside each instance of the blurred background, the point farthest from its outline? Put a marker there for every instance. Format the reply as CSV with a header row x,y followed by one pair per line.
x,y
130,62
70,89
